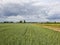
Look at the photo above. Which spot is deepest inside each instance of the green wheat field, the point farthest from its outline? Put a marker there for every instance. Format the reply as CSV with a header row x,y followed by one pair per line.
x,y
28,34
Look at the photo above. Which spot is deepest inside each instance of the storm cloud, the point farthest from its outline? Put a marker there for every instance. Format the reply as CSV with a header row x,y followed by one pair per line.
x,y
33,10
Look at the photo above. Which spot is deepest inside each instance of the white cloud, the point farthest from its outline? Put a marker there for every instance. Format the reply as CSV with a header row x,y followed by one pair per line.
x,y
28,18
36,18
54,8
14,18
14,1
51,6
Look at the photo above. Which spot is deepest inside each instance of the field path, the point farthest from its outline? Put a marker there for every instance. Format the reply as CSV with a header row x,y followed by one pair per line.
x,y
27,34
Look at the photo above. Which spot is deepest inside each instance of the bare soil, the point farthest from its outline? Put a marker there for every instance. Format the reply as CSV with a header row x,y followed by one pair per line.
x,y
53,28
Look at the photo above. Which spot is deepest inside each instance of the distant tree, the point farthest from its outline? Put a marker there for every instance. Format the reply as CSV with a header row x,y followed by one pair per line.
x,y
8,22
5,22
55,22
24,21
11,22
20,22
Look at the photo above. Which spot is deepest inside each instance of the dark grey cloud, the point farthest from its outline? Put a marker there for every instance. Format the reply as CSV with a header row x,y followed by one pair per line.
x,y
54,17
26,9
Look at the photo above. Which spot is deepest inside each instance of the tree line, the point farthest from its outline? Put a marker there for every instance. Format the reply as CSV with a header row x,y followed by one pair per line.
x,y
24,21
14,22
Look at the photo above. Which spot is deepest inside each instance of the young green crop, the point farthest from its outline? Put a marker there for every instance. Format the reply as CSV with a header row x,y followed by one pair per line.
x,y
27,34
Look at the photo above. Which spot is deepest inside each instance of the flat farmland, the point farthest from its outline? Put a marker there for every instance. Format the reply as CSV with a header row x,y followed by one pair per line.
x,y
28,34
55,27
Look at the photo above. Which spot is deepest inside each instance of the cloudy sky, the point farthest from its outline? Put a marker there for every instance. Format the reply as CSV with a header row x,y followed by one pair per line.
x,y
30,10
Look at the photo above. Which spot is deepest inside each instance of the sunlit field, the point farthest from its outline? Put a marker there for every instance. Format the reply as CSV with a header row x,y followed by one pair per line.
x,y
28,34
55,27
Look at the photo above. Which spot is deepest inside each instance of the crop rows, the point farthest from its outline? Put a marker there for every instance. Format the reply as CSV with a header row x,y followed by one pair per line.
x,y
27,34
